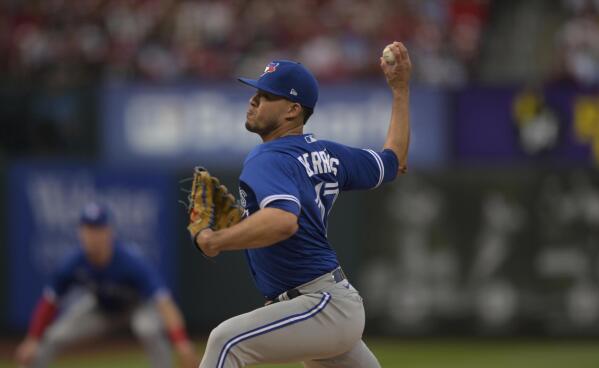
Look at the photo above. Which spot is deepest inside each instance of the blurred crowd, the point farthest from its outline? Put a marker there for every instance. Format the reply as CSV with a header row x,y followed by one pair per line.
x,y
169,40
55,53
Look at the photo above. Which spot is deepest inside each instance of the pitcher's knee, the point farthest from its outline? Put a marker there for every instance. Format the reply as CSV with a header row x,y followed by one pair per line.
x,y
222,345
220,336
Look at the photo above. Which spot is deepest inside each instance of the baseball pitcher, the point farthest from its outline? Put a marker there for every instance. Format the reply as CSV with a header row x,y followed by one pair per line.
x,y
288,186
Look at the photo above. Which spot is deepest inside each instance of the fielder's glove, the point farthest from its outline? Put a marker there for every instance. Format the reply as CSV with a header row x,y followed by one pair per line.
x,y
210,205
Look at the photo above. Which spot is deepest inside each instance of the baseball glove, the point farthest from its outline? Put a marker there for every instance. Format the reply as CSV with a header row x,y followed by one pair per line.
x,y
210,205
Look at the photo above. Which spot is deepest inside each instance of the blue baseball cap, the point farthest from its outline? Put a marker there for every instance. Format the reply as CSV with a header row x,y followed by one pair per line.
x,y
287,79
94,214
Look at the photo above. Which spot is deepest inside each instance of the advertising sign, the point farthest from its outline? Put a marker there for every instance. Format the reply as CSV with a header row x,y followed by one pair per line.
x,y
184,125
557,125
485,252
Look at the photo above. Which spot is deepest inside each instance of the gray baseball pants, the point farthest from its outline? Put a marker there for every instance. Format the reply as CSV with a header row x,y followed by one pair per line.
x,y
84,320
321,328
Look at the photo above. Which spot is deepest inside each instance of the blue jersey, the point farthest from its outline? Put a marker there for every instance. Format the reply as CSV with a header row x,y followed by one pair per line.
x,y
304,176
126,279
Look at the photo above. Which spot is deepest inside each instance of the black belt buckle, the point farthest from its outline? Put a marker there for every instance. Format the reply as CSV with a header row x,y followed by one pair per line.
x,y
293,293
338,275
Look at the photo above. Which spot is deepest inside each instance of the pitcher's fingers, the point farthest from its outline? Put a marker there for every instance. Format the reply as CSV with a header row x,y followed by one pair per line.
x,y
403,52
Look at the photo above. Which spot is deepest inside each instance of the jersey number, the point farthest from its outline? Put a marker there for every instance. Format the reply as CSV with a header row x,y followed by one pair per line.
x,y
327,199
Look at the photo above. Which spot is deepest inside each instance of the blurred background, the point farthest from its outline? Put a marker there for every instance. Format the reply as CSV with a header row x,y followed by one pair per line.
x,y
493,233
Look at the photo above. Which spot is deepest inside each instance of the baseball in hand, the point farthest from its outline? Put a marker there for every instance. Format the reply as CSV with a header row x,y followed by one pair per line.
x,y
388,55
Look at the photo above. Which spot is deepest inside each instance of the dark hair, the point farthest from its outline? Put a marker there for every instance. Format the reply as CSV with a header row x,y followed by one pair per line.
x,y
307,113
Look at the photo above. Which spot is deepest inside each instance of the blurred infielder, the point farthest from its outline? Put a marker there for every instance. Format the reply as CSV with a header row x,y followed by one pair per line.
x,y
288,186
119,288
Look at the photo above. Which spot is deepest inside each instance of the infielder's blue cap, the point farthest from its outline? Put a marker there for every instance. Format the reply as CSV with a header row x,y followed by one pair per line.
x,y
288,79
94,214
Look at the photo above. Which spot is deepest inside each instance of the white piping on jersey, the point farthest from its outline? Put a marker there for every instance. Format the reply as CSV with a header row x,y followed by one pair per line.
x,y
379,162
277,197
331,188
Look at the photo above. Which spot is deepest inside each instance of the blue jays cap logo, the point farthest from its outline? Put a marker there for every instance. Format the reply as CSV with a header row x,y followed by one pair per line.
x,y
288,79
270,68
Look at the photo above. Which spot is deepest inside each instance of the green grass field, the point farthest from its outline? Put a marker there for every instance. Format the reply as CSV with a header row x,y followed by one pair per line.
x,y
405,353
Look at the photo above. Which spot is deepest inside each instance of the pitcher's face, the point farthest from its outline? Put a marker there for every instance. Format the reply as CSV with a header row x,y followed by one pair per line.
x,y
266,112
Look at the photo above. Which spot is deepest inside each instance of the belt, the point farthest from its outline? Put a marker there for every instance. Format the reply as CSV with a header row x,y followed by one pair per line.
x,y
337,275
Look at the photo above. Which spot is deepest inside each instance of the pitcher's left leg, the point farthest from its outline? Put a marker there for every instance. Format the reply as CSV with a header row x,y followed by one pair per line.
x,y
311,326
358,357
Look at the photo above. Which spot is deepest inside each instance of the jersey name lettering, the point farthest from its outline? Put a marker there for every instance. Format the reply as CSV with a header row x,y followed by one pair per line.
x,y
319,162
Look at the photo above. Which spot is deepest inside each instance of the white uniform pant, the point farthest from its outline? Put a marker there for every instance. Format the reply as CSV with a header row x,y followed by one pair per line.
x,y
321,328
